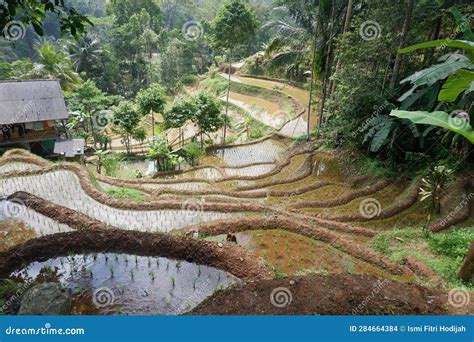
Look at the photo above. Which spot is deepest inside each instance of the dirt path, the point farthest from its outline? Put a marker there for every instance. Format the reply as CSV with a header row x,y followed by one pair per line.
x,y
330,295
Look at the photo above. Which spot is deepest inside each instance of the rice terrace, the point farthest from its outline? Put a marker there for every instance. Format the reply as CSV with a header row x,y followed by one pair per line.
x,y
235,157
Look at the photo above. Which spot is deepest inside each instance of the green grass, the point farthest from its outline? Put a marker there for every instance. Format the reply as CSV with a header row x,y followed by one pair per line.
x,y
375,168
454,244
126,194
448,248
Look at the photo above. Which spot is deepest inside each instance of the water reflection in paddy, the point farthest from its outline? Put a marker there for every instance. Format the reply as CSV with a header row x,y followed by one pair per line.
x,y
130,285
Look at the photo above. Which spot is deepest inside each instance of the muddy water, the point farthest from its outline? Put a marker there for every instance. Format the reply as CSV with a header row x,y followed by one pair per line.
x,y
292,253
301,95
120,284
262,110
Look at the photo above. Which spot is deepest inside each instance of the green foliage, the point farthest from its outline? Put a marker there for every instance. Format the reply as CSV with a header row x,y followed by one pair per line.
x,y
50,62
301,139
279,274
428,77
111,164
455,85
234,25
454,244
375,168
126,194
452,43
434,185
160,151
384,243
440,119
378,131
34,12
192,153
189,79
126,116
87,99
449,249
139,134
216,86
152,99
208,116
182,111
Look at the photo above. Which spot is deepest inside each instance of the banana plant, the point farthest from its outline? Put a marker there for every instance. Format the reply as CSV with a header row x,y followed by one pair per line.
x,y
456,69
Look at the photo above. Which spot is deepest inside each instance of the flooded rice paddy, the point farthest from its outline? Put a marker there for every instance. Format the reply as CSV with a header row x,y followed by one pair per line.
x,y
121,284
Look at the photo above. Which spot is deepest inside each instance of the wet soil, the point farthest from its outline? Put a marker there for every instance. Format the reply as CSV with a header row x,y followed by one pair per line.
x,y
330,295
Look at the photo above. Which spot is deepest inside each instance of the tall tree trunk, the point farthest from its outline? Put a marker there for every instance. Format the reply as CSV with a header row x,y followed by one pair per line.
x,y
153,124
327,67
313,67
428,58
347,25
228,94
405,30
467,268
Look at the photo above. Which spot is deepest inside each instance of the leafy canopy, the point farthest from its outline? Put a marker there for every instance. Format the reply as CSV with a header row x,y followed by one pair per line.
x,y
181,112
208,115
152,99
34,12
126,116
235,23
88,98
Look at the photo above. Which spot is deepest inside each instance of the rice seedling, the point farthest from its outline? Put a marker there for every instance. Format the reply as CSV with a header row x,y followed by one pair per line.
x,y
111,269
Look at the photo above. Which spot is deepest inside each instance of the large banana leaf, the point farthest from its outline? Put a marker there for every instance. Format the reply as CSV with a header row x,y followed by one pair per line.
x,y
434,73
453,43
455,85
440,119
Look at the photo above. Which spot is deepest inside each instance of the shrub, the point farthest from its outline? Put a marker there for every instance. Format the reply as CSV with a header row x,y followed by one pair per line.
x,y
111,164
189,79
192,153
453,243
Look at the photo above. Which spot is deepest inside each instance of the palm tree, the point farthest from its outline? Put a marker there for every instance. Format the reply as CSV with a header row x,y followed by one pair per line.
x,y
84,53
309,21
52,63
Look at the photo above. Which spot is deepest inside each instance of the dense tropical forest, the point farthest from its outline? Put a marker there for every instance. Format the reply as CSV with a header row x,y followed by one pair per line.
x,y
345,124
